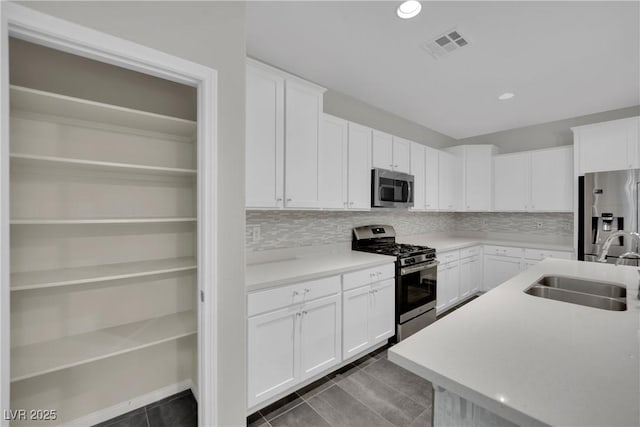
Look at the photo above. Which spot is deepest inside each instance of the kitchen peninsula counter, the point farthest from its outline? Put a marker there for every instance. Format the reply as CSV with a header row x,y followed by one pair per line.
x,y
535,361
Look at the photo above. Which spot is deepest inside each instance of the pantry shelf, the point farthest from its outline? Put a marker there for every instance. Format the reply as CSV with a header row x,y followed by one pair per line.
x,y
57,221
31,280
19,159
41,358
53,104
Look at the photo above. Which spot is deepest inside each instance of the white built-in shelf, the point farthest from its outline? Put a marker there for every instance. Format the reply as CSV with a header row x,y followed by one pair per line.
x,y
53,104
37,359
60,221
93,165
98,273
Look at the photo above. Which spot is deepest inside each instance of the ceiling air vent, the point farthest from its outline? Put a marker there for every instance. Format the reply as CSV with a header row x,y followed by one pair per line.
x,y
445,43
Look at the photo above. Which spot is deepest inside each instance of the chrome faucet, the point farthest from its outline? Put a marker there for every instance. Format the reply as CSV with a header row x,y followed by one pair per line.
x,y
636,255
609,241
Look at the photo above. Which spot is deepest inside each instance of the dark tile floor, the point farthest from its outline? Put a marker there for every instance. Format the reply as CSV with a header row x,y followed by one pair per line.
x,y
179,410
370,392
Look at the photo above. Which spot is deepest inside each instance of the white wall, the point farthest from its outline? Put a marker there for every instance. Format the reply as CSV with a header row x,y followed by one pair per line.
x,y
211,34
552,134
347,107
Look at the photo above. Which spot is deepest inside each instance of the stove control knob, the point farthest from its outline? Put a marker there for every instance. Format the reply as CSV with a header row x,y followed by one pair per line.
x,y
410,260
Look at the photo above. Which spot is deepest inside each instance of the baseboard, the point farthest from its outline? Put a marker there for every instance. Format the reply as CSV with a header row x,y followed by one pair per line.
x,y
129,405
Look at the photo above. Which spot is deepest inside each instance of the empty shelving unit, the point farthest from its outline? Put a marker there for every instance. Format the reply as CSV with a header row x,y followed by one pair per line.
x,y
103,253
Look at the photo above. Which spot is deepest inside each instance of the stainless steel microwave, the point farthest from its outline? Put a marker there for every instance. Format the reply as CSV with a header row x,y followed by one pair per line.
x,y
391,189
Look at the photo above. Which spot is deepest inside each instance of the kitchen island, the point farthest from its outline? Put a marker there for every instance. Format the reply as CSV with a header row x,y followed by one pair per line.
x,y
511,358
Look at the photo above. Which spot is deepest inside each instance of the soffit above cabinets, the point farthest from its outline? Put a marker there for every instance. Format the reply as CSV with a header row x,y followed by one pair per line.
x,y
561,59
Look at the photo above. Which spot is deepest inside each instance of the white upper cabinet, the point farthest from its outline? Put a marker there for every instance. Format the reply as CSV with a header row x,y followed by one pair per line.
x,y
401,154
552,179
390,152
476,163
449,182
359,167
303,106
607,146
540,180
283,131
424,168
332,162
511,181
418,170
264,139
432,177
382,150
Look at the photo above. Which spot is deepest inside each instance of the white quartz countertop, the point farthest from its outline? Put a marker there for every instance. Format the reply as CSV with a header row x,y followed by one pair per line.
x,y
536,361
443,242
299,268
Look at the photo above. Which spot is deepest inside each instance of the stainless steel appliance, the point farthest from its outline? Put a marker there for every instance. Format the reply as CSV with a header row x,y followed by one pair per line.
x,y
391,189
608,203
416,276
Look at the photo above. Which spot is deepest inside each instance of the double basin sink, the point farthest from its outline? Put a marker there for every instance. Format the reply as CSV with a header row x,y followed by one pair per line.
x,y
606,296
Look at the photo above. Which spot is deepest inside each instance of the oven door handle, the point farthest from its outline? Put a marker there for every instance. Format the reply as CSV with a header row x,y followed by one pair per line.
x,y
413,269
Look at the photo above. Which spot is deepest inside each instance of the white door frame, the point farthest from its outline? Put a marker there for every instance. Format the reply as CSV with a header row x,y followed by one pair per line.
x,y
27,24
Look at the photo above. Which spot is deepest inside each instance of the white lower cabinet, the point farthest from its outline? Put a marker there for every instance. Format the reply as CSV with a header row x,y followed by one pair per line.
x,y
501,263
369,316
470,276
290,344
448,285
499,268
299,331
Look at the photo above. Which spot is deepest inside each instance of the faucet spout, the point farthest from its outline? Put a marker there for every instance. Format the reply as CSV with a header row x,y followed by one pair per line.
x,y
611,238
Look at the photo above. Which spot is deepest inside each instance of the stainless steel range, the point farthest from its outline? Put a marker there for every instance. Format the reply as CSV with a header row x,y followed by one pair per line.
x,y
416,276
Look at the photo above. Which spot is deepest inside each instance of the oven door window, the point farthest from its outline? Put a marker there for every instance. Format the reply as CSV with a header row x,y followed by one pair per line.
x,y
417,289
393,190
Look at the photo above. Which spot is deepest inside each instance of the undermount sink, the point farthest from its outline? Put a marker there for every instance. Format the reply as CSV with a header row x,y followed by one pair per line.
x,y
605,296
585,286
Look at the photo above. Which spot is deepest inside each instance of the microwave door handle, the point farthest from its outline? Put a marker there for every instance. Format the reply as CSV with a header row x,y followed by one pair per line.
x,y
410,190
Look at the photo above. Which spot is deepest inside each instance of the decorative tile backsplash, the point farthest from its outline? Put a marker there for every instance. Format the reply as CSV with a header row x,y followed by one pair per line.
x,y
290,229
556,224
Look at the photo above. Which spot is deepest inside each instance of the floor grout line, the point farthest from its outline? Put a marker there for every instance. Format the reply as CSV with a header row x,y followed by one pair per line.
x,y
367,406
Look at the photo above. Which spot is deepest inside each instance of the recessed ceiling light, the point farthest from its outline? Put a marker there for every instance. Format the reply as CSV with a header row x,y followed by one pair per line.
x,y
506,95
409,9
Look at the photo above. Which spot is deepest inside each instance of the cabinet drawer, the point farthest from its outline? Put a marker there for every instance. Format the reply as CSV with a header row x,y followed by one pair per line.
x,y
271,299
446,257
503,251
540,254
367,276
469,252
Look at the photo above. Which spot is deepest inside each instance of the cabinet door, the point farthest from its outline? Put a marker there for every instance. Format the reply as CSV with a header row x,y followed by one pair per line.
x,y
264,152
498,269
476,274
332,162
478,176
359,167
448,286
510,182
608,146
355,321
432,179
272,349
302,118
320,335
552,180
401,154
449,182
382,150
466,278
382,311
419,177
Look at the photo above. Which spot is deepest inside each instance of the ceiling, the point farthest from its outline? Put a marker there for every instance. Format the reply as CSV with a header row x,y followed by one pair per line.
x,y
561,59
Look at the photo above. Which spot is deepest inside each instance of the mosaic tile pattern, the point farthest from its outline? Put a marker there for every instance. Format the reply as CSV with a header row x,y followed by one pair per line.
x,y
558,224
291,229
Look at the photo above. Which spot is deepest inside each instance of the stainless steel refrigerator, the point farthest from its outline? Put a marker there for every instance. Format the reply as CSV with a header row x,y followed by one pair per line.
x,y
608,202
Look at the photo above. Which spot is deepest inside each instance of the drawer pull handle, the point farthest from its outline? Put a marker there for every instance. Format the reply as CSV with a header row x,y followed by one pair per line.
x,y
296,293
